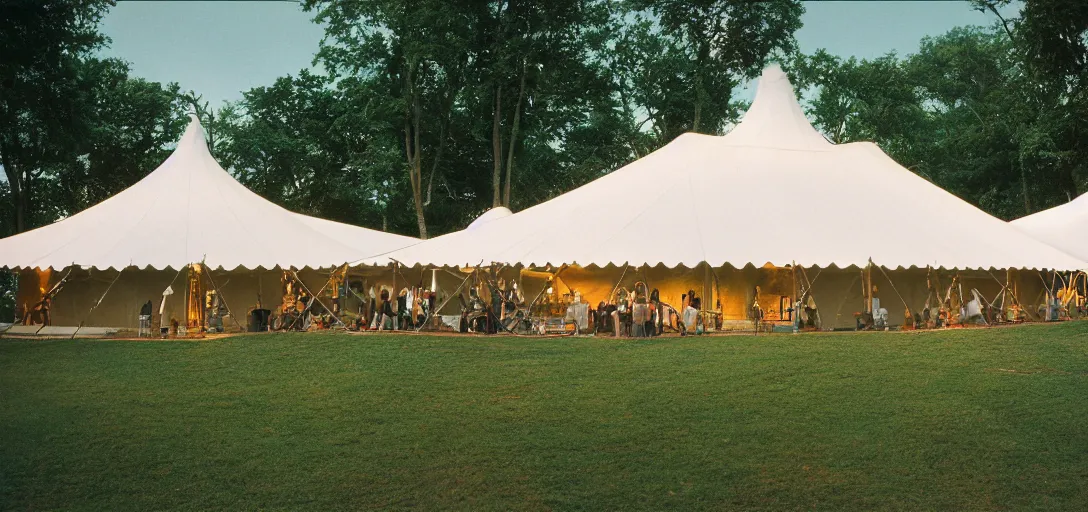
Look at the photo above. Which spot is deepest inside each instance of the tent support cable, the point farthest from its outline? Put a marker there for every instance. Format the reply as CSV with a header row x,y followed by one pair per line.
x,y
222,298
54,289
448,299
808,291
97,303
612,294
314,298
544,289
890,283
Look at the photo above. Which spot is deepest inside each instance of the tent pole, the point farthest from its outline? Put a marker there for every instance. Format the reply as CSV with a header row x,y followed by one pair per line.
x,y
717,294
795,315
313,298
56,287
808,292
890,283
529,308
618,282
53,290
491,284
208,272
97,303
707,294
448,299
869,286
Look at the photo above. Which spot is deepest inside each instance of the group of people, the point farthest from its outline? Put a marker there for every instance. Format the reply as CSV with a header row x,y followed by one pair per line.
x,y
637,313
382,311
378,309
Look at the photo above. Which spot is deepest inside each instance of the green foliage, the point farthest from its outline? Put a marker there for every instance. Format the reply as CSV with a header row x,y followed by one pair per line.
x,y
970,111
952,420
460,87
42,43
304,145
74,129
677,62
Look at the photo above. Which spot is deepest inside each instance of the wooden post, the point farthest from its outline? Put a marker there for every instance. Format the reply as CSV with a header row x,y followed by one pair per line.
x,y
795,299
869,287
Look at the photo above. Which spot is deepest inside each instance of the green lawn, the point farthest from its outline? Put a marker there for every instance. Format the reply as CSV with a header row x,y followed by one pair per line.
x,y
979,419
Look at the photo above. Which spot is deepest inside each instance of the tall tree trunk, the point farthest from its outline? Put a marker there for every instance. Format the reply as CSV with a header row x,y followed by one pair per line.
x,y
1024,189
412,123
700,89
19,190
417,191
514,134
496,147
22,207
442,130
698,112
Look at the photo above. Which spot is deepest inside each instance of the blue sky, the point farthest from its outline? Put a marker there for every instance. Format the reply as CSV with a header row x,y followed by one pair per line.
x,y
221,48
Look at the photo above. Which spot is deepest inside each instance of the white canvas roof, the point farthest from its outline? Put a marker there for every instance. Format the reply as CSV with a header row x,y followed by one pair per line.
x,y
771,191
1064,227
190,210
497,212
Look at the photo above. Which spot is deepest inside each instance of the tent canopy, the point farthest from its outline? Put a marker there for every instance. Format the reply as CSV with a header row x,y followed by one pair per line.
x,y
190,210
1064,227
773,190
497,212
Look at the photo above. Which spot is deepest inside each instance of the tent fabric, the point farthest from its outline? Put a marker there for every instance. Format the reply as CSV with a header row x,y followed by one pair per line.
x,y
497,212
362,240
186,211
1064,227
773,190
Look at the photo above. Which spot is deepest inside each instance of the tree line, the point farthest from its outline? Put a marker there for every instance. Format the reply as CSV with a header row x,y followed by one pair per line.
x,y
426,113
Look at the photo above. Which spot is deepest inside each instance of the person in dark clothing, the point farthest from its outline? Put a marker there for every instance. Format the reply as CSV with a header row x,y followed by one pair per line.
x,y
386,313
495,311
404,311
604,317
654,326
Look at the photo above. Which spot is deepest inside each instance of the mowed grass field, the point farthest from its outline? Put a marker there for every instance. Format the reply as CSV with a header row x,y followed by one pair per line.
x,y
987,419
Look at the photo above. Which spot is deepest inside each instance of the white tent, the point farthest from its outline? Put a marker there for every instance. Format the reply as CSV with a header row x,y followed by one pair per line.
x,y
361,240
495,213
1064,227
771,191
190,210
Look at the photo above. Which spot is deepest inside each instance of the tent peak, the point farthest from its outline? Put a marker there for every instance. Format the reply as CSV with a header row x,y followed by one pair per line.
x,y
775,119
497,212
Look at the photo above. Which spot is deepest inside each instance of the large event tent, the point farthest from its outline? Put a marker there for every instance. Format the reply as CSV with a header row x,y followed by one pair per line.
x,y
1064,227
723,215
187,213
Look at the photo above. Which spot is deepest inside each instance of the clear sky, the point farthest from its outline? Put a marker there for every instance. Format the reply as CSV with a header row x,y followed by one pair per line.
x,y
221,48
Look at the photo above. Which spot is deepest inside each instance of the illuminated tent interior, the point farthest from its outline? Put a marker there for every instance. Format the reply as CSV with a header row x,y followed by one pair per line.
x,y
769,213
188,225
